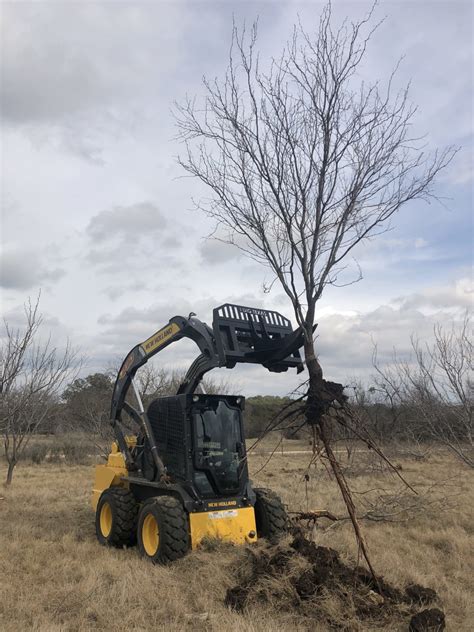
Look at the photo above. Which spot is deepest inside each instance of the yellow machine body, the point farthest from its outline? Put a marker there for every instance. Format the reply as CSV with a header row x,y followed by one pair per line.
x,y
232,525
190,459
236,525
110,474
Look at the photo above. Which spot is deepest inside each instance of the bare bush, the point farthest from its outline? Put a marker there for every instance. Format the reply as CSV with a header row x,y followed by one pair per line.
x,y
433,390
32,373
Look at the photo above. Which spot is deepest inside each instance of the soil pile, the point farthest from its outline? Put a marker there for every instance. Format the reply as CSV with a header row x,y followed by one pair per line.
x,y
314,583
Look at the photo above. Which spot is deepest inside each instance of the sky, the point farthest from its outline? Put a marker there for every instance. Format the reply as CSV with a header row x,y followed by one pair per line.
x,y
98,215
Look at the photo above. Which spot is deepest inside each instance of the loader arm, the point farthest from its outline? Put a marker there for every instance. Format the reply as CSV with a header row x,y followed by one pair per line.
x,y
239,334
177,328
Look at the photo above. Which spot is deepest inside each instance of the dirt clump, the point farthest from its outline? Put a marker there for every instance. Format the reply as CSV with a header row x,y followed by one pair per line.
x,y
431,620
420,594
313,582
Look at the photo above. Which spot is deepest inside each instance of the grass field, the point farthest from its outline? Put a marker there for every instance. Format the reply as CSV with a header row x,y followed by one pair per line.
x,y
54,575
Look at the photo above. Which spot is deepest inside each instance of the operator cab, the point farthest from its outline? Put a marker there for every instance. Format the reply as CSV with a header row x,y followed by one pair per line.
x,y
218,444
202,443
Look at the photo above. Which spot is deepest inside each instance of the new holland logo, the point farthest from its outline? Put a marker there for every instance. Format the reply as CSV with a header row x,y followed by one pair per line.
x,y
158,339
224,503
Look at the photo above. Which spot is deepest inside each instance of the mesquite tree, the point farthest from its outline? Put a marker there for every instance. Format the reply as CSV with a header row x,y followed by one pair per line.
x,y
32,373
304,164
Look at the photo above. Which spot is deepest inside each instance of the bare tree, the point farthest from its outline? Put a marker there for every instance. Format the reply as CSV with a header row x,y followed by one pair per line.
x,y
32,373
436,385
379,407
304,164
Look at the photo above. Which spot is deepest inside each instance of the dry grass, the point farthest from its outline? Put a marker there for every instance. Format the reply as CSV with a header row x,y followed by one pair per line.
x,y
54,576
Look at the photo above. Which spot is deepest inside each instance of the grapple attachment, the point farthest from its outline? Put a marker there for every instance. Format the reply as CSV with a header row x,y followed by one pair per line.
x,y
257,336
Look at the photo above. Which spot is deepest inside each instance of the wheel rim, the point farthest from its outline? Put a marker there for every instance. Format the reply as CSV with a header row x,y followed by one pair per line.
x,y
106,519
150,535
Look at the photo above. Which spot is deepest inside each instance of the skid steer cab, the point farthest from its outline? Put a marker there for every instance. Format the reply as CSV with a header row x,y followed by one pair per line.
x,y
182,476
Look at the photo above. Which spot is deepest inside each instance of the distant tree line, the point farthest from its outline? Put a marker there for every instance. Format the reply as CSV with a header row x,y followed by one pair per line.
x,y
85,402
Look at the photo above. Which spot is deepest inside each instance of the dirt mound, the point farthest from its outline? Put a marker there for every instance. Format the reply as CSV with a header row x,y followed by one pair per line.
x,y
313,582
431,620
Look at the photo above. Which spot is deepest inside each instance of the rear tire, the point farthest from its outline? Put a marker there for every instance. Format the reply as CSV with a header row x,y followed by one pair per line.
x,y
270,515
116,517
163,531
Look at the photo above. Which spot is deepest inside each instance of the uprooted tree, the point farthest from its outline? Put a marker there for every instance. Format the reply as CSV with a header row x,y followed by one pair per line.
x,y
304,164
32,373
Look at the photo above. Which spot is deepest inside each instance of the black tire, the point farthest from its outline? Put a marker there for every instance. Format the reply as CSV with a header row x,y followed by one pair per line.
x,y
270,515
163,531
116,517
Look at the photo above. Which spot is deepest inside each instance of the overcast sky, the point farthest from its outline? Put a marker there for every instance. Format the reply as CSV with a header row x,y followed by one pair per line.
x,y
95,213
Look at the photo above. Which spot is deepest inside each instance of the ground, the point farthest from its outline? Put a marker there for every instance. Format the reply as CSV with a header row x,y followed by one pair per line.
x,y
54,576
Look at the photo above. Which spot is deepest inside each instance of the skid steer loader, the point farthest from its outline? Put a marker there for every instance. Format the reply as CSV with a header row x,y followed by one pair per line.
x,y
183,476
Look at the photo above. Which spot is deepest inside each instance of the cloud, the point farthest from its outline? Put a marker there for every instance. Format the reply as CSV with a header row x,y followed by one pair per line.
x,y
84,135
133,223
420,242
392,251
59,60
458,295
138,234
346,341
172,242
159,313
20,270
116,291
78,76
214,251
346,344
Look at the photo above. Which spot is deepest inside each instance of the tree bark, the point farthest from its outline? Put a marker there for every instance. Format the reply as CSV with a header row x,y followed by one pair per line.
x,y
321,393
11,467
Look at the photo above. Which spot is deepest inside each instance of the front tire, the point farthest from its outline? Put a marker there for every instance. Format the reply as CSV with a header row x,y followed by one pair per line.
x,y
270,515
163,531
116,517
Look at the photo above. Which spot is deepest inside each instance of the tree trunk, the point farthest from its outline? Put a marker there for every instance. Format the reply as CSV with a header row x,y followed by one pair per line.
x,y
314,368
11,467
315,371
320,396
316,404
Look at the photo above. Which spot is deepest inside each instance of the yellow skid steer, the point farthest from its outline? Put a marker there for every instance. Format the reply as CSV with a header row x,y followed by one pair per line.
x,y
183,476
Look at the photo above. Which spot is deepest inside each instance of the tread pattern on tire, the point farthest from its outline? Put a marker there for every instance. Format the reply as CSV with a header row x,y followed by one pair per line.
x,y
271,516
125,510
173,525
